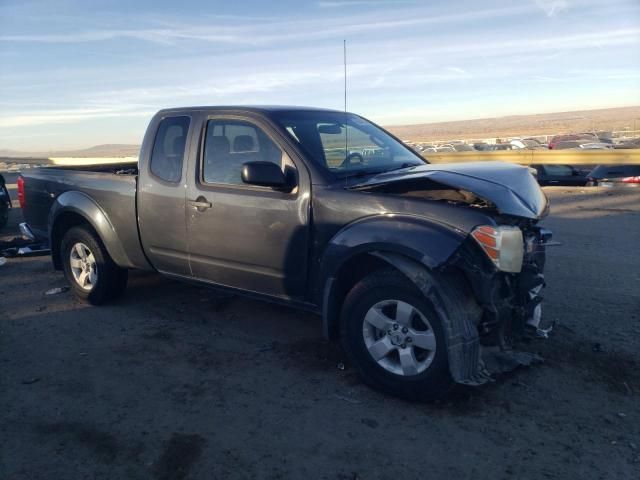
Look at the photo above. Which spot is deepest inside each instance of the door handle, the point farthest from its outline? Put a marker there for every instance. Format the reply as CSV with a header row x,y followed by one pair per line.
x,y
200,204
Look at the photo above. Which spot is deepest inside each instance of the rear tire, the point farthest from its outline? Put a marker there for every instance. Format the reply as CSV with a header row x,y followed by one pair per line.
x,y
92,274
410,350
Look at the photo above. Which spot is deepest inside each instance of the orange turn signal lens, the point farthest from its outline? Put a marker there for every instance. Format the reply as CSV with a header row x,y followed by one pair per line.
x,y
485,239
503,245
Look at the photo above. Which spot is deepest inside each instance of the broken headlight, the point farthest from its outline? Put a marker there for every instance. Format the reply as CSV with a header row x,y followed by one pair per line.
x,y
503,245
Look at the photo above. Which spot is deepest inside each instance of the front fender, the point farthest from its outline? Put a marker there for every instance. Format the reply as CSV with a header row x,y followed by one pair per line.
x,y
461,331
81,204
429,242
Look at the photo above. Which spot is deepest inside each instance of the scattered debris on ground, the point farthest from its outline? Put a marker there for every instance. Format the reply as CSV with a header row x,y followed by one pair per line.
x,y
56,291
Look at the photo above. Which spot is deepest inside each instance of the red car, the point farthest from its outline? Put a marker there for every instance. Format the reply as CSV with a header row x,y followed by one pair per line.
x,y
574,136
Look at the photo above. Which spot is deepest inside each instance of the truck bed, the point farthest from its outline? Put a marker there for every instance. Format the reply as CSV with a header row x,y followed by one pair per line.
x,y
111,187
124,168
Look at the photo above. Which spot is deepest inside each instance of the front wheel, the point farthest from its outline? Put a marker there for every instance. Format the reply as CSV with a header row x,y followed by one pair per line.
x,y
394,337
90,271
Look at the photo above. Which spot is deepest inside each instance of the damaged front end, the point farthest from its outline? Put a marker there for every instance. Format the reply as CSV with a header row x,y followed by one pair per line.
x,y
511,302
502,257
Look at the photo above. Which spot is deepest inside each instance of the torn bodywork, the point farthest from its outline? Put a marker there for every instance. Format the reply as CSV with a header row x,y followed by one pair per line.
x,y
481,344
509,189
508,303
511,303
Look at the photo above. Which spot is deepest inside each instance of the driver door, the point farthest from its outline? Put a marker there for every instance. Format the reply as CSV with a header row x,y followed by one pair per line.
x,y
243,236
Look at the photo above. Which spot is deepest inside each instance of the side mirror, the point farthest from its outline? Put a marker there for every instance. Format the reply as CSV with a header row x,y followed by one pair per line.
x,y
264,174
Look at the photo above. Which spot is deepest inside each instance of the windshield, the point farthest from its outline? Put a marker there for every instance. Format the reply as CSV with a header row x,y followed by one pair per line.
x,y
346,144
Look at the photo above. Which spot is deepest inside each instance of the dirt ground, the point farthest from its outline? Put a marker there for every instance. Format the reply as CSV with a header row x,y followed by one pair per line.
x,y
177,382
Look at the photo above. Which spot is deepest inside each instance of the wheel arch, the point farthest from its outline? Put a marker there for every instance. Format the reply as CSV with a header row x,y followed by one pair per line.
x,y
76,208
458,311
369,243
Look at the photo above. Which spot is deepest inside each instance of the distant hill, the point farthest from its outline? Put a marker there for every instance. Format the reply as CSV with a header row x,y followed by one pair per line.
x,y
608,119
107,150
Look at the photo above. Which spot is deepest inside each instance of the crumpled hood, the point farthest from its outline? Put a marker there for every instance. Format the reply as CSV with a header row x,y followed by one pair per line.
x,y
511,188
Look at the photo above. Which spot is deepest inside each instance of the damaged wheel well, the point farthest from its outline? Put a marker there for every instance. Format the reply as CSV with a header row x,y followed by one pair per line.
x,y
447,290
350,273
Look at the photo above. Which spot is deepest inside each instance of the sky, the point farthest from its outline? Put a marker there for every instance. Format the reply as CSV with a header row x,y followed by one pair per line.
x,y
75,74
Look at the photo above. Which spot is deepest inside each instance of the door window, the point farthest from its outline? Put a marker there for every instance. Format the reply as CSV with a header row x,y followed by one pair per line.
x,y
168,149
229,144
558,170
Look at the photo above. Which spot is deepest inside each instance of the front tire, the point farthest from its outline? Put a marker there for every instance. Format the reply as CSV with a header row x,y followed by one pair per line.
x,y
394,337
92,274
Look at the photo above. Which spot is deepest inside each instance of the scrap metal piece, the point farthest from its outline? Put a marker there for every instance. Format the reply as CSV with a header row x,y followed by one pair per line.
x,y
32,250
498,361
56,291
544,332
26,232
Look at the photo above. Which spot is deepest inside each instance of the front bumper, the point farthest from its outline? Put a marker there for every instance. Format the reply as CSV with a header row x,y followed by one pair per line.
x,y
511,303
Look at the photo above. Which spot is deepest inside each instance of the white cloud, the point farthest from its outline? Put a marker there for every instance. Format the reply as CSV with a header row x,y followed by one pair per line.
x,y
9,120
402,61
359,3
258,32
162,36
552,7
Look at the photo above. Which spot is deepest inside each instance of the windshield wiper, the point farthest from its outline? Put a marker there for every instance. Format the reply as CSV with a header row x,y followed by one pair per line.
x,y
364,173
361,173
403,166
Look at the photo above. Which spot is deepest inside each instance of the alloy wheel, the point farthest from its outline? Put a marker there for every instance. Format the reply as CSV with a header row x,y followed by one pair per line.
x,y
83,266
399,337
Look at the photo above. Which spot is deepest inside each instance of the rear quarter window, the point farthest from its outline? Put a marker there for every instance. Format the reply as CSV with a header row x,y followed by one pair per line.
x,y
168,148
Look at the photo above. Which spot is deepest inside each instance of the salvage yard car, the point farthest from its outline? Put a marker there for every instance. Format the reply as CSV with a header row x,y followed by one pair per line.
x,y
424,272
614,176
554,174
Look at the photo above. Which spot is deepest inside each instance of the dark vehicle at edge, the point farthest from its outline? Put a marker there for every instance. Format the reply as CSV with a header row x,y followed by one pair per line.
x,y
566,175
428,274
5,203
614,176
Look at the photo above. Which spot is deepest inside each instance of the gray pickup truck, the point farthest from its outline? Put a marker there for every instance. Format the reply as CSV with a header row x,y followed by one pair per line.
x,y
420,270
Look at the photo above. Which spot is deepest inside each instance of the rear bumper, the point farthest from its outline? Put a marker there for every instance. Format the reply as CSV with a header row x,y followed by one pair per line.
x,y
610,184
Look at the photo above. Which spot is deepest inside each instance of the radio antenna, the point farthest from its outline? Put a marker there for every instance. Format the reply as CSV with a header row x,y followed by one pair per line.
x,y
346,132
344,56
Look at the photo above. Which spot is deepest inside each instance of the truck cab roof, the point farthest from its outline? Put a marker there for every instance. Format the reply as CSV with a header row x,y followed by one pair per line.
x,y
264,109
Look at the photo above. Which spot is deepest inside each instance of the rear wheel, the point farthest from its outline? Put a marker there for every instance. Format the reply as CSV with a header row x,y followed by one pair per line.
x,y
394,337
90,271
